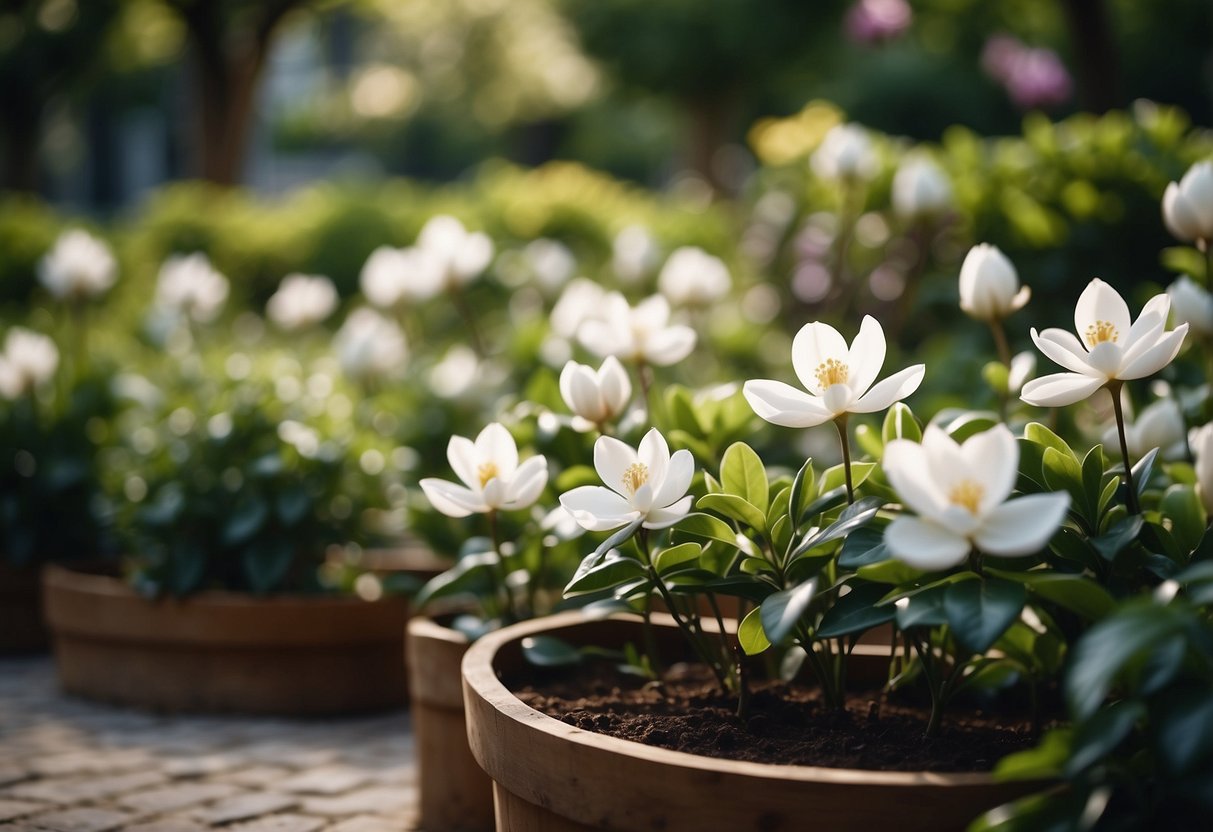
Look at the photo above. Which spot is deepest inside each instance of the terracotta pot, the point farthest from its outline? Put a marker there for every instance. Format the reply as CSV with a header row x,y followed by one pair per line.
x,y
225,652
21,627
455,793
552,776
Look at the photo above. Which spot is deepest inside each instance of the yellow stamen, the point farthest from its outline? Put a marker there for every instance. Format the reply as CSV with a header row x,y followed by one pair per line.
x,y
636,475
1101,331
831,372
966,494
487,471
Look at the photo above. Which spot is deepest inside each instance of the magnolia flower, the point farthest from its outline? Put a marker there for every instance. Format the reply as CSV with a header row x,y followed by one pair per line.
x,y
839,380
493,479
645,484
369,345
1187,205
1023,366
845,153
643,334
634,253
598,396
452,256
692,277
1160,425
1191,304
385,275
581,301
921,188
959,493
1201,441
989,284
189,285
78,266
28,361
301,301
551,263
1112,348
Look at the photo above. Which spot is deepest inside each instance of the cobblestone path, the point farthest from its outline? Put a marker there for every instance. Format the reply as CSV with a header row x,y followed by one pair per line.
x,y
71,766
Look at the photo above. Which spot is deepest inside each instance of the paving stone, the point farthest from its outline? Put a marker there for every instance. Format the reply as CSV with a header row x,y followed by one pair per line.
x,y
170,824
281,823
365,823
246,807
327,780
11,773
256,777
13,809
66,791
177,796
376,800
87,819
396,775
206,764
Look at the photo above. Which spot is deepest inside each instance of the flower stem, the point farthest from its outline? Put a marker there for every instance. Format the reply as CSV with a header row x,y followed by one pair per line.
x,y
841,423
1117,408
469,319
1207,249
1004,355
644,376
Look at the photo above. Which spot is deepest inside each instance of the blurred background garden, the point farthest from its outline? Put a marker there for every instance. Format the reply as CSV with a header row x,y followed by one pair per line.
x,y
285,249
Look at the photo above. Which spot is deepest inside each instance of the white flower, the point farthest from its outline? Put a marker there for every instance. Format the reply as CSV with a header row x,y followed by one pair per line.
x,y
78,266
301,301
1187,205
385,275
839,380
634,253
598,396
581,301
989,284
642,334
1160,425
1111,349
692,277
189,285
28,361
644,484
551,262
959,493
493,479
1022,368
1201,440
845,153
1192,305
453,256
369,345
921,188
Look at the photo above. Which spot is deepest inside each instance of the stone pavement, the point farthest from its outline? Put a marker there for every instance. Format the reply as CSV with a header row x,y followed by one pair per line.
x,y
67,765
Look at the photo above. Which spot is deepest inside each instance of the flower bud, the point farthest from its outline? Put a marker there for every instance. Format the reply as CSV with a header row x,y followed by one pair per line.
x,y
921,189
1201,441
1187,205
845,153
692,277
989,285
1192,305
595,396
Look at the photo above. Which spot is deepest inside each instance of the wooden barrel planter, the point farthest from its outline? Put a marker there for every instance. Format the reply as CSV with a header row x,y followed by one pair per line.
x,y
288,655
548,775
21,627
456,795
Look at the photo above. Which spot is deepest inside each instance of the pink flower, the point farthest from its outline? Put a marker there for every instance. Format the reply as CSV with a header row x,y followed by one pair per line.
x,y
877,21
1033,77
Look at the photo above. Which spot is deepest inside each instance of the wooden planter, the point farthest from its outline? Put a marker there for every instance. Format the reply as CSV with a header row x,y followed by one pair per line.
x,y
225,652
456,795
548,775
21,627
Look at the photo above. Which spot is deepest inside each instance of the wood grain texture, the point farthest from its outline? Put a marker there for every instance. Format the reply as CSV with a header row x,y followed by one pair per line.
x,y
576,779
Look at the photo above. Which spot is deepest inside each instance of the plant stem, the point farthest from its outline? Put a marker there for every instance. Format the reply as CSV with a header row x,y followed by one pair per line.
x,y
644,376
1114,389
1004,355
841,423
1207,249
469,319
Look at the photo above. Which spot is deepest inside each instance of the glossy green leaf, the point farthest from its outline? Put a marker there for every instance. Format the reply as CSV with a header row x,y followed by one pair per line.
x,y
836,476
1043,762
782,610
828,501
1077,593
548,651
1117,538
1098,736
735,508
863,546
853,517
750,634
471,574
246,519
804,486
978,612
708,527
855,612
676,556
743,475
266,562
1142,471
899,423
1184,729
1182,506
611,572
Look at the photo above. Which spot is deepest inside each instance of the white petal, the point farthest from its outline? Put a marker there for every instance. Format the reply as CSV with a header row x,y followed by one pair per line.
x,y
1021,298
1152,360
813,344
597,509
838,398
611,459
1100,302
893,389
677,478
866,355
992,459
1062,348
1060,389
528,483
603,339
1023,365
452,500
494,493
496,445
905,464
1178,214
661,518
948,465
924,545
782,404
654,454
461,453
1022,526
615,386
669,346
1144,334
652,313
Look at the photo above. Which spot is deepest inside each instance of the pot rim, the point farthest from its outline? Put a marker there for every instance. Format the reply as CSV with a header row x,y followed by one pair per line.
x,y
480,681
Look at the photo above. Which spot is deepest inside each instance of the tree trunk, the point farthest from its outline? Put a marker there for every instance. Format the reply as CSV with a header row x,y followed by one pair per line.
x,y
711,121
1094,54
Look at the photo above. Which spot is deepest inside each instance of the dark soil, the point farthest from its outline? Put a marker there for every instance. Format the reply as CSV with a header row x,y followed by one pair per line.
x,y
786,724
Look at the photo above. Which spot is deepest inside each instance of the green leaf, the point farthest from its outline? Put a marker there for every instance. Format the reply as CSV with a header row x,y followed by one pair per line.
x,y
856,612
736,508
681,411
782,610
980,611
867,439
969,423
292,504
1040,435
743,475
922,610
1044,762
1062,473
611,572
548,651
471,574
826,502
899,423
852,517
1113,542
1182,506
1184,728
837,476
266,563
891,571
750,633
669,559
1142,471
1098,736
246,520
1076,593
617,539
189,559
862,547
803,488
708,527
